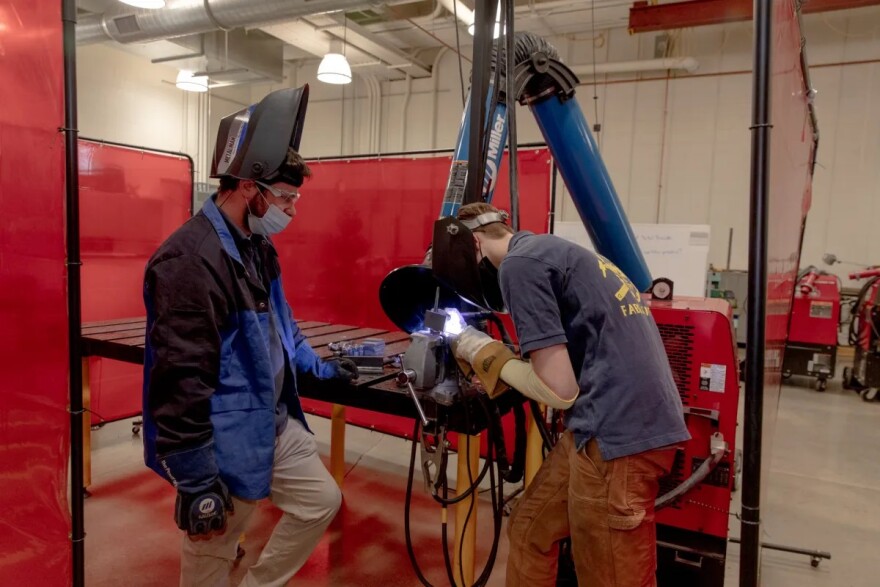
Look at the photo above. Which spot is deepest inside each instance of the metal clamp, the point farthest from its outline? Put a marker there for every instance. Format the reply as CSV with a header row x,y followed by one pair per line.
x,y
434,460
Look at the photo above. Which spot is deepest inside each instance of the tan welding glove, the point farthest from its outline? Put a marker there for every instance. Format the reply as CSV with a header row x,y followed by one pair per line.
x,y
479,354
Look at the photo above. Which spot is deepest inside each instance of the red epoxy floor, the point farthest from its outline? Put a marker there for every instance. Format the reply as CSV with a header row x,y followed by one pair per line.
x,y
132,540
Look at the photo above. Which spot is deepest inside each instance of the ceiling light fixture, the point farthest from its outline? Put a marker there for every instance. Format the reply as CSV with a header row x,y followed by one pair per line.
x,y
334,68
151,4
188,82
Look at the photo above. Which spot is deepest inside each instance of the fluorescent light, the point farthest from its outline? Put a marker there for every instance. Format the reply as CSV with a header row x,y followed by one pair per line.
x,y
334,69
190,83
145,3
497,31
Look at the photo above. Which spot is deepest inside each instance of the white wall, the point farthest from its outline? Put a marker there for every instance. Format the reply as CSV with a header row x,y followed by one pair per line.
x,y
677,148
124,98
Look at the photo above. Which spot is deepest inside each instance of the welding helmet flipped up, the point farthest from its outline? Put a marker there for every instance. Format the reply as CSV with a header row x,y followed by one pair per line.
x,y
455,264
253,143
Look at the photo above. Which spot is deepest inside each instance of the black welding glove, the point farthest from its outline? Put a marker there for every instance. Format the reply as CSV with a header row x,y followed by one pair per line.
x,y
204,512
343,369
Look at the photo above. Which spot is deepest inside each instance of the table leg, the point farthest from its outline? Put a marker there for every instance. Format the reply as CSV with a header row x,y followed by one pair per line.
x,y
87,423
534,449
466,534
337,443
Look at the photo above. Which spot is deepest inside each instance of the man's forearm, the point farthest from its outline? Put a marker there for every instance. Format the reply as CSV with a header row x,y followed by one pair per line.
x,y
521,377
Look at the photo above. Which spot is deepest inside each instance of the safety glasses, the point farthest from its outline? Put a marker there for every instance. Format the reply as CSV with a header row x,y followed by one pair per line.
x,y
288,197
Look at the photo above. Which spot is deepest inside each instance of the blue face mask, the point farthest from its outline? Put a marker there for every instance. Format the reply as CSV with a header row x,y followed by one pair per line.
x,y
272,222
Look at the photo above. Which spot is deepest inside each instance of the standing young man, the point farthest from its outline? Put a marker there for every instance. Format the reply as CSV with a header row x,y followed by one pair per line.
x,y
222,417
593,349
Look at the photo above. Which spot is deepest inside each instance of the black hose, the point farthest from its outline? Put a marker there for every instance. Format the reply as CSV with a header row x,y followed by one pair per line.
x,y
74,289
505,336
520,439
538,417
463,496
406,509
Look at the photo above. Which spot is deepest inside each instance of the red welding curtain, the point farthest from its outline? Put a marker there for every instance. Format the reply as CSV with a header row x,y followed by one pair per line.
x,y
359,219
131,199
34,422
791,154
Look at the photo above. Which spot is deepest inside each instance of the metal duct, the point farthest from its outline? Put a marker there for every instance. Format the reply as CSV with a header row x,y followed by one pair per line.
x,y
187,17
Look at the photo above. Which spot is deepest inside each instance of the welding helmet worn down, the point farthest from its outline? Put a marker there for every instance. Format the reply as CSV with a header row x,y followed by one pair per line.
x,y
256,142
455,261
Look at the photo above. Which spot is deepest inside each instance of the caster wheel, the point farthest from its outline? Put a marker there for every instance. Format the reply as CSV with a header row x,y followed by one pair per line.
x,y
869,394
814,561
847,377
821,385
135,430
786,375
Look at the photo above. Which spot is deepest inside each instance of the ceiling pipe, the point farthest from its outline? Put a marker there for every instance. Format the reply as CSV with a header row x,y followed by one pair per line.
x,y
688,64
188,17
457,7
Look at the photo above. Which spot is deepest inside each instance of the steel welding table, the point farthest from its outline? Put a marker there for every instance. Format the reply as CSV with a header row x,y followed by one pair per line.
x,y
123,340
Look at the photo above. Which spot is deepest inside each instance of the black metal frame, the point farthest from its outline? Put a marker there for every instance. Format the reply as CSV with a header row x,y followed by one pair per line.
x,y
74,305
757,293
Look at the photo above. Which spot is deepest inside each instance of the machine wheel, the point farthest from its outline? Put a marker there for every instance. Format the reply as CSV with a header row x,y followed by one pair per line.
x,y
847,377
821,384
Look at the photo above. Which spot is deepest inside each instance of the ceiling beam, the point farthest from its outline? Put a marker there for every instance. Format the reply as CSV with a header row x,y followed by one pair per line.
x,y
644,17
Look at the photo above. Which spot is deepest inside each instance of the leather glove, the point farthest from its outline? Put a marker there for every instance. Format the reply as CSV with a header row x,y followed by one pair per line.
x,y
469,343
343,369
203,513
481,355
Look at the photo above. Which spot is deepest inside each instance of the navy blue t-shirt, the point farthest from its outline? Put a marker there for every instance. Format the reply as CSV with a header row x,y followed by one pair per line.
x,y
560,293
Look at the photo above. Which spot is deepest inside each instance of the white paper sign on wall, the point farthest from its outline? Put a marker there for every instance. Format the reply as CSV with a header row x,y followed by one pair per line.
x,y
679,252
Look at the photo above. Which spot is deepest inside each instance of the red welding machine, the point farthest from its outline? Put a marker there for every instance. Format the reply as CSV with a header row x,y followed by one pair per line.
x,y
812,340
692,532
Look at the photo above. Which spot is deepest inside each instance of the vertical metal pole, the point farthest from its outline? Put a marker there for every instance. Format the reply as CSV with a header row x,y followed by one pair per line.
x,y
750,571
509,68
484,26
77,492
553,185
729,247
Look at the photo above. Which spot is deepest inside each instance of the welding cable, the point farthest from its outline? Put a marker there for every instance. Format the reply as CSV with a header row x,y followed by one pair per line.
x,y
498,513
406,509
497,505
538,417
718,447
460,497
505,336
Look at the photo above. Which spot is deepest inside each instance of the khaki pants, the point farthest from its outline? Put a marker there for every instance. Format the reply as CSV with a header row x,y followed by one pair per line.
x,y
302,489
607,507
